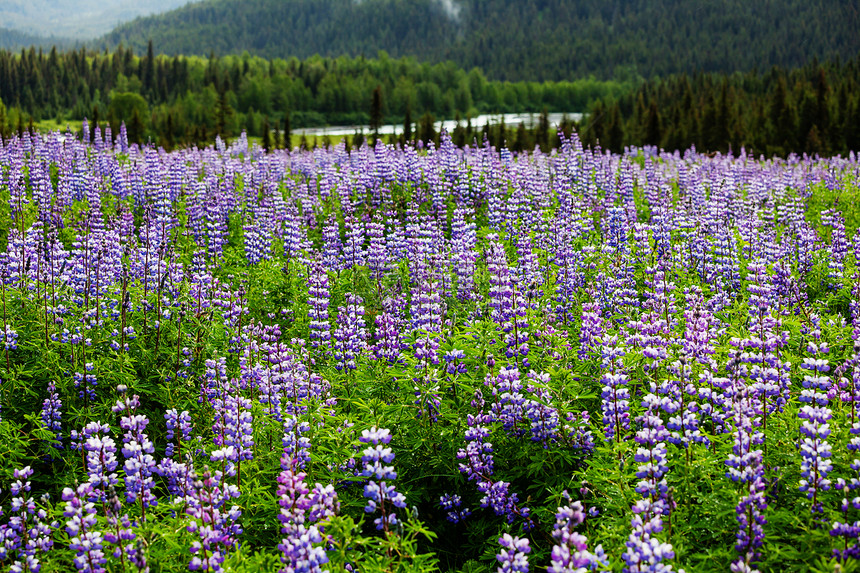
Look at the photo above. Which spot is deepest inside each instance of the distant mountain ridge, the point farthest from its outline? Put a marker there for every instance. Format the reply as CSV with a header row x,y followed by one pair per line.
x,y
15,40
517,39
74,19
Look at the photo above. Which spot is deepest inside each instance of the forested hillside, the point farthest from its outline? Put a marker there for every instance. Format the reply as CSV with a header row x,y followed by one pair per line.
x,y
518,39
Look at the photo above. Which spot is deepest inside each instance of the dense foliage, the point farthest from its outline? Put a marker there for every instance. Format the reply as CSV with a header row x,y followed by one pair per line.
x,y
192,99
517,39
480,358
814,109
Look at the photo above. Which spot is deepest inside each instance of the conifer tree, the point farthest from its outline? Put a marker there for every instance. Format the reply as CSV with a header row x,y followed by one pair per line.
x,y
376,115
267,135
288,132
407,126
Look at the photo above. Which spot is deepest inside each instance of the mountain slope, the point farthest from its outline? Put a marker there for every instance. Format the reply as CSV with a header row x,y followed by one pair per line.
x,y
78,19
517,39
15,40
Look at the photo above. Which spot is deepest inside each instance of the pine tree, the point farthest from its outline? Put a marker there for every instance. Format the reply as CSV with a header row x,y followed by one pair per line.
x,y
276,139
288,132
4,128
168,132
614,130
458,136
407,126
223,112
822,110
427,128
357,139
267,136
148,76
95,123
653,129
782,122
376,112
542,135
521,138
135,128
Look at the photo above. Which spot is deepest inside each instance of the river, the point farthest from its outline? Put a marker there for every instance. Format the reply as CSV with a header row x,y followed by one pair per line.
x,y
512,120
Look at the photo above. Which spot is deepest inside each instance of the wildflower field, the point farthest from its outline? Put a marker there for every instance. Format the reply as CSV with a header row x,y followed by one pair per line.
x,y
408,359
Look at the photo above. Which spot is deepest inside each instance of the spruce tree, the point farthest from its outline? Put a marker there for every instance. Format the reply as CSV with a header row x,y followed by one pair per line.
x,y
148,76
168,132
376,112
407,126
223,112
267,136
95,122
135,128
288,132
542,134
4,128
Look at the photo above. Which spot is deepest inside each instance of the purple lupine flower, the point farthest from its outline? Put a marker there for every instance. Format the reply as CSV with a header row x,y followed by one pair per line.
x,y
528,271
86,383
353,250
591,331
815,426
570,552
501,294
52,416
296,444
27,531
85,540
119,533
234,431
652,456
615,397
377,252
479,469
513,556
452,503
10,338
543,417
101,460
332,246
380,494
509,401
350,334
180,421
746,468
644,551
139,462
215,525
390,327
426,311
679,395
302,548
217,232
258,243
464,238
318,301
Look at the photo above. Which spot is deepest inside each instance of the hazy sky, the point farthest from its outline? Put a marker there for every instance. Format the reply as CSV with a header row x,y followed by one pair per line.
x,y
80,19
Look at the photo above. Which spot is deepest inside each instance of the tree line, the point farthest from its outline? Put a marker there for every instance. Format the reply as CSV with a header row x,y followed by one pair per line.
x,y
183,99
812,109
